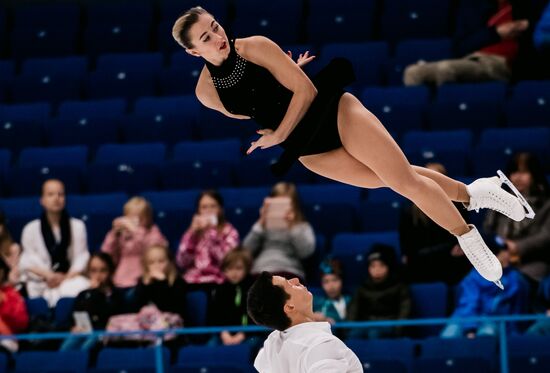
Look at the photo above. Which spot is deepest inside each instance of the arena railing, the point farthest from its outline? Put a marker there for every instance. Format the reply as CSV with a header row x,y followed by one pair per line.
x,y
501,321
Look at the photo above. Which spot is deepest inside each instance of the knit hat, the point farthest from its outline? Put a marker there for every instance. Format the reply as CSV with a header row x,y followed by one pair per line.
x,y
384,253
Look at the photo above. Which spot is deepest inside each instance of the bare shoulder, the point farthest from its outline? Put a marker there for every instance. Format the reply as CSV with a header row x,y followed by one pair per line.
x,y
256,47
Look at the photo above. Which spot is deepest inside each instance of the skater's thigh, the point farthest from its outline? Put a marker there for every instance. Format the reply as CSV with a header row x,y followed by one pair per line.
x,y
339,165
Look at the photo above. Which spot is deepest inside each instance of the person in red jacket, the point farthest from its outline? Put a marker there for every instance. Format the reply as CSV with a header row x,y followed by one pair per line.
x,y
13,311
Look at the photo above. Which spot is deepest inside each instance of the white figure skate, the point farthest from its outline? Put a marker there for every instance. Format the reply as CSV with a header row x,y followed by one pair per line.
x,y
488,193
483,260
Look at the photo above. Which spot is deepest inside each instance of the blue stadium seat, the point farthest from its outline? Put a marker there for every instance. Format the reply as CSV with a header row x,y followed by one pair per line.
x,y
91,132
131,154
182,75
46,15
429,301
237,355
377,355
20,211
208,368
249,197
473,106
352,250
378,216
63,313
414,19
214,125
256,171
81,205
529,104
412,51
196,308
98,109
3,355
173,200
330,193
51,361
128,359
26,181
399,109
73,66
44,41
98,224
279,20
216,150
345,20
196,174
170,10
52,88
369,59
47,157
321,216
115,37
135,62
25,112
37,307
127,178
18,134
452,365
528,354
127,84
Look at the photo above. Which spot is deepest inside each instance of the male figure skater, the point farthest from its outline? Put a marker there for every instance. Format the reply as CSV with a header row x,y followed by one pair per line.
x,y
298,345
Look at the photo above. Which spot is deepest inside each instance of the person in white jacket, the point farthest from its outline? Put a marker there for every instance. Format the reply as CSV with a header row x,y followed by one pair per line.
x,y
298,345
55,249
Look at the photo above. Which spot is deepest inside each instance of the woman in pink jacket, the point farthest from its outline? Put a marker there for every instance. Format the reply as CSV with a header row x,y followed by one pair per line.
x,y
130,236
205,243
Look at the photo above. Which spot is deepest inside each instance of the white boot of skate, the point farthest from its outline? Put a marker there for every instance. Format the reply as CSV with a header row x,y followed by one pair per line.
x,y
483,260
488,193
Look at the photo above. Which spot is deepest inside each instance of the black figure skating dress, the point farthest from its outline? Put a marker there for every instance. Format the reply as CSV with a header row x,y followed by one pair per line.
x,y
249,89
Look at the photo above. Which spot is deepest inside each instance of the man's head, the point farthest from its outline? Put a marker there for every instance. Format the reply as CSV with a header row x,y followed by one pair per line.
x,y
278,303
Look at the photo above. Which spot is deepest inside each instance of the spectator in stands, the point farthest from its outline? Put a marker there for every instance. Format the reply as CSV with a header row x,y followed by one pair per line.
x,y
228,306
160,283
9,251
126,242
383,296
481,298
430,252
55,250
542,327
13,312
281,237
528,241
486,43
333,305
206,242
101,301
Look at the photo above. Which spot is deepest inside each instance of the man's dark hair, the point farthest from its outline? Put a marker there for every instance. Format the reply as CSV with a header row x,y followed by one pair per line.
x,y
266,303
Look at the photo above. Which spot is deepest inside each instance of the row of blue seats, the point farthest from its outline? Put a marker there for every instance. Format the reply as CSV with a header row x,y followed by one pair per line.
x,y
472,106
430,355
49,29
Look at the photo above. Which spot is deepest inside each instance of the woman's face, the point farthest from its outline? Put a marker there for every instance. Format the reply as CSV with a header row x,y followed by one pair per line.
x,y
209,39
332,285
53,196
522,180
209,206
98,271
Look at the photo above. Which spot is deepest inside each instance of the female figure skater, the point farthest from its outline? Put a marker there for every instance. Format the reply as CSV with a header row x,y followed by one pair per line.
x,y
328,130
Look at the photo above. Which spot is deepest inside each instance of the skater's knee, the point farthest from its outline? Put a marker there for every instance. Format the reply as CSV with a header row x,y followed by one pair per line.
x,y
408,183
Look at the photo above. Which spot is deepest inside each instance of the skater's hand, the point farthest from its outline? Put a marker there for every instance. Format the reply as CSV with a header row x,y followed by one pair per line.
x,y
456,251
269,138
303,59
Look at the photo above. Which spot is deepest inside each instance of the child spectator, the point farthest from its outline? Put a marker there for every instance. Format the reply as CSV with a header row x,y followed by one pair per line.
x,y
478,297
160,283
333,305
130,236
13,312
228,306
204,245
9,251
55,249
281,250
100,302
383,296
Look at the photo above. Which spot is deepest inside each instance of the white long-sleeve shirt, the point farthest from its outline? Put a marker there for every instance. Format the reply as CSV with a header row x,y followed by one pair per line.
x,y
309,347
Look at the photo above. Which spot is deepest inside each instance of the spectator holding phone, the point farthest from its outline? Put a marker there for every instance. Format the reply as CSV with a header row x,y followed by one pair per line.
x,y
206,242
281,237
126,242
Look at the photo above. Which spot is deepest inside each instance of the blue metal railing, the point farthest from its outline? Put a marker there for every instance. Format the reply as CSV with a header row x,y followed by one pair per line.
x,y
159,361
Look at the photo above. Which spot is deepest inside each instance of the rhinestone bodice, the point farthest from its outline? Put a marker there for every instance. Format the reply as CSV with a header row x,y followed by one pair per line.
x,y
234,76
